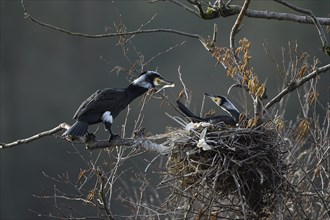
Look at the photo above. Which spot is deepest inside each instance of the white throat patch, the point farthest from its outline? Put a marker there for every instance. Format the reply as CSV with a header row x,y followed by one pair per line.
x,y
107,117
142,82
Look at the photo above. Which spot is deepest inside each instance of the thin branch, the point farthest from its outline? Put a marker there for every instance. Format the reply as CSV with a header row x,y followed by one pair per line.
x,y
52,216
66,198
198,5
106,208
236,26
209,44
141,26
139,31
296,84
185,90
185,7
312,16
35,137
163,52
139,118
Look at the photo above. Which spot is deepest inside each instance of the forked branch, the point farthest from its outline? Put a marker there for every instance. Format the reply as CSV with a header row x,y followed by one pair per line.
x,y
296,84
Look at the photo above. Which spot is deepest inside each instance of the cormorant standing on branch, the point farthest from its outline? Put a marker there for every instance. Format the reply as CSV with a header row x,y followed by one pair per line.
x,y
105,104
221,101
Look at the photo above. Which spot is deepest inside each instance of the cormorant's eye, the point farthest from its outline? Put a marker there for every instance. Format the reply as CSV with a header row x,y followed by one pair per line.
x,y
217,100
157,81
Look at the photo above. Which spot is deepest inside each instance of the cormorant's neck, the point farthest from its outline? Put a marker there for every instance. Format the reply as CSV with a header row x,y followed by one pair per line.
x,y
234,113
135,91
231,109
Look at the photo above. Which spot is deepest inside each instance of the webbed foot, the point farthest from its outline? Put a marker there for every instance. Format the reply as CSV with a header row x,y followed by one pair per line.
x,y
89,136
113,136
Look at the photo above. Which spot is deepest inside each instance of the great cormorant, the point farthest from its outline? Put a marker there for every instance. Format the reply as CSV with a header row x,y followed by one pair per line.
x,y
105,104
220,101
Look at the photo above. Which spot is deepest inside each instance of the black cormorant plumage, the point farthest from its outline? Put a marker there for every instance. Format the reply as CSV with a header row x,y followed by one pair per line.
x,y
228,120
220,101
105,104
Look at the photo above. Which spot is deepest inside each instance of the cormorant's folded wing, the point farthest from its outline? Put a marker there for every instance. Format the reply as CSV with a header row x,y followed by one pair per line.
x,y
101,101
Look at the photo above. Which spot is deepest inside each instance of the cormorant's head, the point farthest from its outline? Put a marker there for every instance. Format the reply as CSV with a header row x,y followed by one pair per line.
x,y
222,102
151,79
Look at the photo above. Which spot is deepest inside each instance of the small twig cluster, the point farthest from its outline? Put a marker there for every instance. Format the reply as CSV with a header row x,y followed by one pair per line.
x,y
241,72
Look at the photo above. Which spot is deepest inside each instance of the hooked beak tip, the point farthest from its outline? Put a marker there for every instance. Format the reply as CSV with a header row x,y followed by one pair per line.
x,y
169,83
208,95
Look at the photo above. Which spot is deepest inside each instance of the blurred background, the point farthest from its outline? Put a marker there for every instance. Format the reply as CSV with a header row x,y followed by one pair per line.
x,y
45,75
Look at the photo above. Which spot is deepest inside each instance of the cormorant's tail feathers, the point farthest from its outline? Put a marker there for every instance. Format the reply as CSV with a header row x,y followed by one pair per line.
x,y
77,129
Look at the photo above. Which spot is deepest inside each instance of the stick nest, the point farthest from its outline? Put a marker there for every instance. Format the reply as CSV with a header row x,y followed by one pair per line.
x,y
217,171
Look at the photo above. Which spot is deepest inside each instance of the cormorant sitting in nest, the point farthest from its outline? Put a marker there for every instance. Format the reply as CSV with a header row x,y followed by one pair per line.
x,y
105,104
221,101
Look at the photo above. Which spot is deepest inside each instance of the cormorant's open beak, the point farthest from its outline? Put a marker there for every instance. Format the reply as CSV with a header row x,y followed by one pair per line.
x,y
165,83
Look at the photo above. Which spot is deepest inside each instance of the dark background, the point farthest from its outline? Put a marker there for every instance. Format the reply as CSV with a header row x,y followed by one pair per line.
x,y
46,74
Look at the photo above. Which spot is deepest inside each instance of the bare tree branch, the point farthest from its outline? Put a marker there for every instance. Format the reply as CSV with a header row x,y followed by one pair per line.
x,y
35,137
314,19
235,28
185,7
77,199
52,216
283,16
102,180
163,52
92,143
226,10
296,84
139,31
136,142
